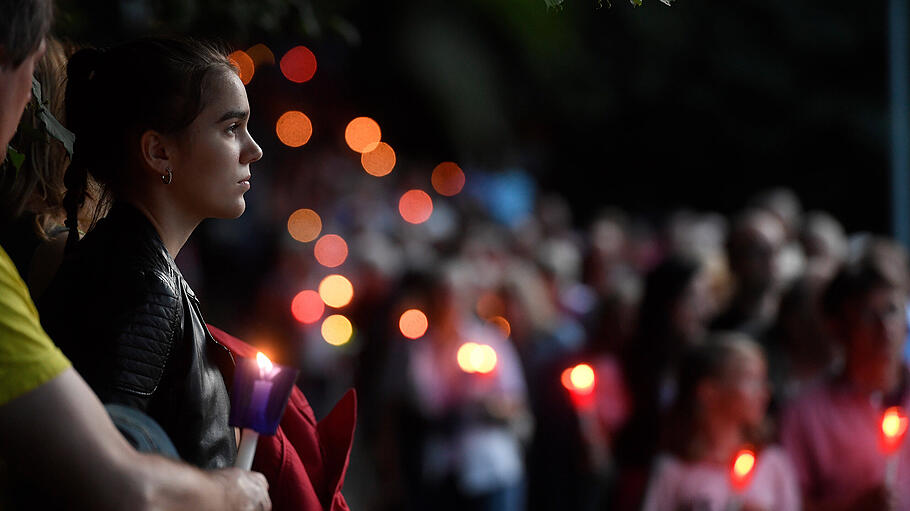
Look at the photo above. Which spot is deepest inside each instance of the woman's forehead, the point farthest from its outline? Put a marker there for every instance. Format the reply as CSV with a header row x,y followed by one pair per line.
x,y
224,92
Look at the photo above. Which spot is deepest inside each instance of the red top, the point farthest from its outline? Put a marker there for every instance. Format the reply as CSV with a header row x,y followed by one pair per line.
x,y
305,461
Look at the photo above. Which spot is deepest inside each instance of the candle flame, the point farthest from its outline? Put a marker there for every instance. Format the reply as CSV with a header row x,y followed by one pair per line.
x,y
265,365
476,358
894,423
743,466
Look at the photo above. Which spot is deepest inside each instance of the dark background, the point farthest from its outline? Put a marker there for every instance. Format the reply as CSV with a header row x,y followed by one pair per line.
x,y
700,104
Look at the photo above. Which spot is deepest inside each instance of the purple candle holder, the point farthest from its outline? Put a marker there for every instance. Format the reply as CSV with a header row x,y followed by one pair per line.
x,y
260,394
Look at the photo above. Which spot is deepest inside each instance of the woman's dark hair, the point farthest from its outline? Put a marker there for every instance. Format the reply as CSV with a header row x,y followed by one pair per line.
x,y
708,361
857,279
114,95
664,286
23,25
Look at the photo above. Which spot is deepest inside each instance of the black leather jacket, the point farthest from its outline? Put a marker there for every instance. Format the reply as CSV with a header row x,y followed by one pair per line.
x,y
121,311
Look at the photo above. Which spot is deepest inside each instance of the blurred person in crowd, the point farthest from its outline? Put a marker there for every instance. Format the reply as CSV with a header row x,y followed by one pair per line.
x,y
463,449
785,205
753,250
53,429
183,154
825,244
833,431
674,314
720,410
810,352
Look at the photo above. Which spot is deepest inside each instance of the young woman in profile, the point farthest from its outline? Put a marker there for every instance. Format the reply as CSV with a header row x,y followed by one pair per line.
x,y
719,410
161,125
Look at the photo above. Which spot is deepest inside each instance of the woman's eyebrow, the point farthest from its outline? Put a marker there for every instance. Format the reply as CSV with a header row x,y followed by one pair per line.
x,y
234,114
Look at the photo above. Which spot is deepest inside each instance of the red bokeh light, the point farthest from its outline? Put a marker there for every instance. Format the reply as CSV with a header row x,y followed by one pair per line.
x,y
298,64
307,307
331,250
415,206
447,179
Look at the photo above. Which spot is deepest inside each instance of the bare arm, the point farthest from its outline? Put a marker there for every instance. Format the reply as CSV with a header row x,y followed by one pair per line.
x,y
61,433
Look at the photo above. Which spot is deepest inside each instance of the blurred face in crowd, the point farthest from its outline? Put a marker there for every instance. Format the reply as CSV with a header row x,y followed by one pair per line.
x,y
15,92
741,395
876,333
757,248
694,309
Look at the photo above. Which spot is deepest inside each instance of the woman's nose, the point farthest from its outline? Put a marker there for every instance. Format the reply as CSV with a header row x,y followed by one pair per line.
x,y
252,152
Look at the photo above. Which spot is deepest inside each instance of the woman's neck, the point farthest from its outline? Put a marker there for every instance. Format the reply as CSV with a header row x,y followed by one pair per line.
x,y
173,227
717,440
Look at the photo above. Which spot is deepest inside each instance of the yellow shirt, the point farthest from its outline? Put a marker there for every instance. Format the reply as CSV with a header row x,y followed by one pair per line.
x,y
28,358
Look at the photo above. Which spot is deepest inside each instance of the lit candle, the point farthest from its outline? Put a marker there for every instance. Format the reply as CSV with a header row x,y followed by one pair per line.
x,y
579,380
741,475
894,428
262,389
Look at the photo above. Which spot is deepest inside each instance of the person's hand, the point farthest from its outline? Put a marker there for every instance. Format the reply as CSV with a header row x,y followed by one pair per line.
x,y
878,498
244,490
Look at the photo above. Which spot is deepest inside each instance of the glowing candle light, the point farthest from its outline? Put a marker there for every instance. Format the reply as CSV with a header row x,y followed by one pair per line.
x,y
259,395
582,378
476,358
894,429
464,356
262,389
742,470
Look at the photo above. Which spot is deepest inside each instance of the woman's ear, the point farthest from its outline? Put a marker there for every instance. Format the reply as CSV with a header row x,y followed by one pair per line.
x,y
156,152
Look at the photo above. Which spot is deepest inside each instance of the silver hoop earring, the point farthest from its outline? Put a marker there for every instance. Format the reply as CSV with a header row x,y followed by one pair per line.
x,y
167,179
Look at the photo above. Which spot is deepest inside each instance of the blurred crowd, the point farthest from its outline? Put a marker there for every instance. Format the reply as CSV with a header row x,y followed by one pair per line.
x,y
634,356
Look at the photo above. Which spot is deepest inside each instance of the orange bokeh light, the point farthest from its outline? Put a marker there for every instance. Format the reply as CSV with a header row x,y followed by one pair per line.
x,y
413,324
331,250
337,330
476,358
294,128
244,65
261,54
448,179
380,161
415,206
336,291
298,64
362,134
307,307
304,225
502,324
